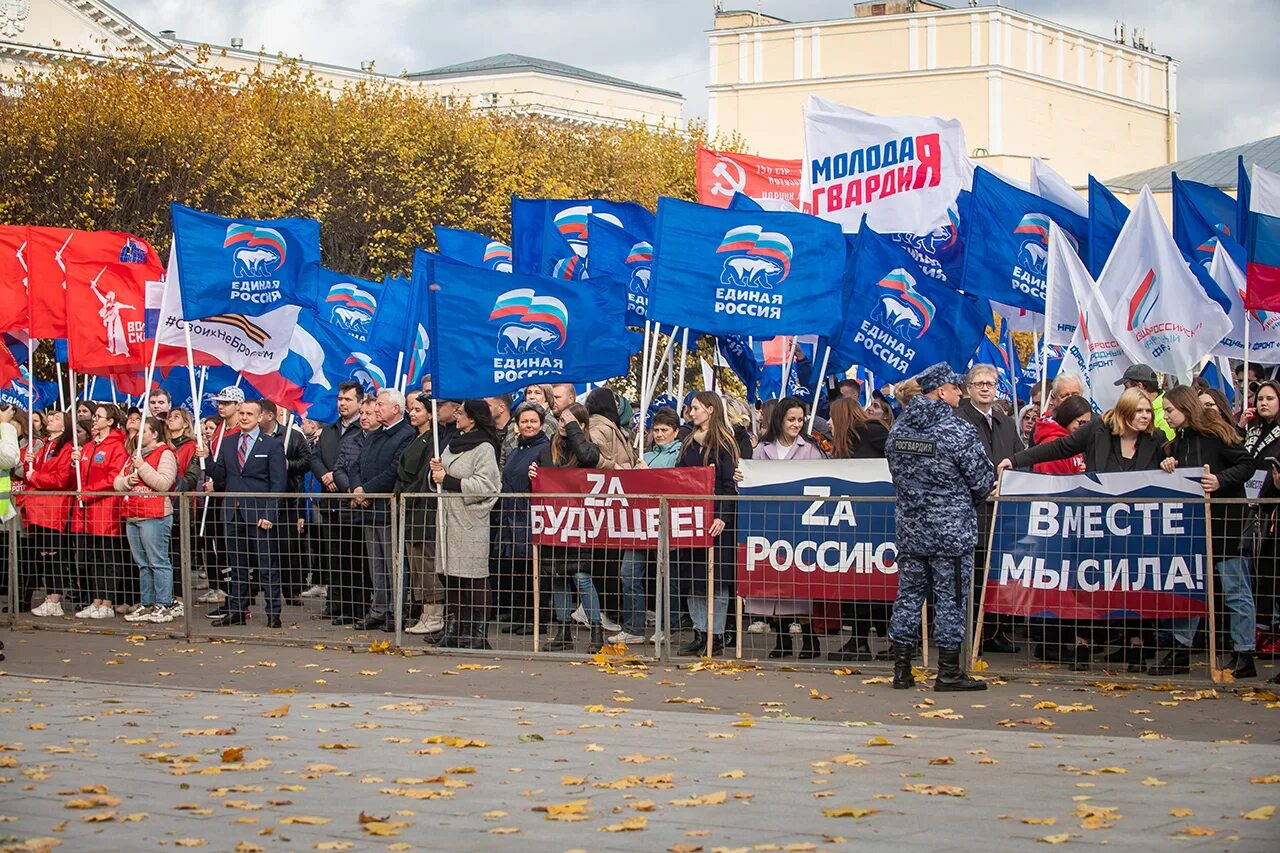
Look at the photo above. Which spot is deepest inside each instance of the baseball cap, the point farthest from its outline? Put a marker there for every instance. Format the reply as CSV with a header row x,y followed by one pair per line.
x,y
1139,373
230,394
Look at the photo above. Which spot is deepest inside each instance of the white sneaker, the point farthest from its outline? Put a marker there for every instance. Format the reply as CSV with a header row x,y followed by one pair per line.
x,y
89,612
103,611
160,614
419,627
624,637
795,628
316,591
213,596
579,616
177,611
759,626
48,608
658,637
606,622
142,614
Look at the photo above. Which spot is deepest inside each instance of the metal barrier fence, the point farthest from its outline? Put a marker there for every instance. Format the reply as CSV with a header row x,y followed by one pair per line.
x,y
344,572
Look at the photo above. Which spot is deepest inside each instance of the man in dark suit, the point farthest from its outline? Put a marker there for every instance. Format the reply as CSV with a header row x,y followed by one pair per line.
x,y
1000,439
376,474
254,463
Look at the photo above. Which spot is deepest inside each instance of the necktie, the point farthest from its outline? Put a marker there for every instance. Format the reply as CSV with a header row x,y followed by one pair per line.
x,y
244,450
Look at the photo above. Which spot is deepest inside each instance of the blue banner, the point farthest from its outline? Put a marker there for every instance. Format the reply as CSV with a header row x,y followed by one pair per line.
x,y
737,354
349,304
1203,217
759,273
385,346
817,549
1134,547
1107,215
510,331
473,249
1244,189
1007,242
549,235
622,257
244,266
900,320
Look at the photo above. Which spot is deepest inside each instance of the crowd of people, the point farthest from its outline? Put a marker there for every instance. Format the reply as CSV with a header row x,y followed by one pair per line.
x,y
293,510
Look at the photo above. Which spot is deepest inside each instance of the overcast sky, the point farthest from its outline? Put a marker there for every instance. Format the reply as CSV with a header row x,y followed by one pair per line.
x,y
1228,50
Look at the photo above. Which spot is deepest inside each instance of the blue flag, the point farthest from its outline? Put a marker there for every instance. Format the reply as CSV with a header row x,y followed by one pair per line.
x,y
244,266
307,381
620,256
384,348
1007,243
349,304
1203,217
416,343
900,320
760,273
1244,189
549,235
177,381
1214,375
1107,215
510,331
473,249
736,352
940,253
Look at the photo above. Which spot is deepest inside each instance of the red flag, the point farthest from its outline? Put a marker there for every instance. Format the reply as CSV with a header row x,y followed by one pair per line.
x,y
9,370
13,277
721,173
107,275
47,280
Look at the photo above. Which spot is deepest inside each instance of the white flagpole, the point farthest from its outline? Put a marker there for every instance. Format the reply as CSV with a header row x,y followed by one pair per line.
x,y
75,436
788,345
817,388
399,378
1044,351
62,396
1244,402
644,379
198,403
684,361
151,369
31,398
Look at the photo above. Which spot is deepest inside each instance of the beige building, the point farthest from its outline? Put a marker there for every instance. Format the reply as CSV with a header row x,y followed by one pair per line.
x,y
1022,86
36,32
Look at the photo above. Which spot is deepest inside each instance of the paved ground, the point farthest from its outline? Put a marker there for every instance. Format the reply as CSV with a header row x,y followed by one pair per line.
x,y
470,753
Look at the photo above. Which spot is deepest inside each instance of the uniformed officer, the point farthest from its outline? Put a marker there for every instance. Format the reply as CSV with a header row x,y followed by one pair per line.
x,y
939,471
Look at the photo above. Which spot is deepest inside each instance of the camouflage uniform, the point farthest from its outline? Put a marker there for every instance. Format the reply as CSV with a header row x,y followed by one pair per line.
x,y
939,470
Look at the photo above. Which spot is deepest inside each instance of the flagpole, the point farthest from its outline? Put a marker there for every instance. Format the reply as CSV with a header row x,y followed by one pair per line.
x,y
62,396
1044,351
198,403
31,399
644,380
817,389
75,436
715,364
399,378
151,370
684,361
1244,377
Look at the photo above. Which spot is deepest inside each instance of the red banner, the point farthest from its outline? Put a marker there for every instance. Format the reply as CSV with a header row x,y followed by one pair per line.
x,y
106,293
608,515
721,173
13,277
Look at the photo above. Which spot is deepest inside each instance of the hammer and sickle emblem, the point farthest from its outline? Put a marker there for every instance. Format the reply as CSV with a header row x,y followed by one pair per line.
x,y
730,178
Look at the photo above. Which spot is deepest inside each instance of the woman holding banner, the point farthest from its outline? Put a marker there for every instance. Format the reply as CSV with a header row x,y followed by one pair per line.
x,y
1121,440
45,516
149,518
711,443
419,524
784,439
856,434
97,515
571,449
468,466
1204,442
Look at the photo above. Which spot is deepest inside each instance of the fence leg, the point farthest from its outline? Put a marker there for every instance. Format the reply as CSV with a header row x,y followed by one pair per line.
x,y
1208,590
662,584
12,571
971,636
185,521
711,596
398,566
738,631
537,600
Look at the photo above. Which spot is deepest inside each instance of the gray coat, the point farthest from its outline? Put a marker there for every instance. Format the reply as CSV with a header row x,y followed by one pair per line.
x,y
462,543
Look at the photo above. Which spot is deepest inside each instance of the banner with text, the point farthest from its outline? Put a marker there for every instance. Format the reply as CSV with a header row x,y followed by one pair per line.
x,y
610,515
817,548
775,184
1099,546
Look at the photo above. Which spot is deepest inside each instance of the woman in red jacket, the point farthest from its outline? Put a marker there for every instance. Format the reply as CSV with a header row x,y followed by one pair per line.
x,y
104,568
1068,416
45,516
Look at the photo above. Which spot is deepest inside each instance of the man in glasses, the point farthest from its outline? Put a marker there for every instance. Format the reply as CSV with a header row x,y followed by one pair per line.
x,y
998,434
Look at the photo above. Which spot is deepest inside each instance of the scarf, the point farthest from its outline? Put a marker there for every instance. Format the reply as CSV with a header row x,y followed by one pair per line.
x,y
1256,440
461,442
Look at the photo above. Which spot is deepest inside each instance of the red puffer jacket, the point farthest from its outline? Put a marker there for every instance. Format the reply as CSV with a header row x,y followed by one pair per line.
x,y
100,461
51,472
1047,429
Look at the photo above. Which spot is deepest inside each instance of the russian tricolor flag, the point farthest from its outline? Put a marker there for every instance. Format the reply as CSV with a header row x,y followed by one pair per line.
x,y
1263,288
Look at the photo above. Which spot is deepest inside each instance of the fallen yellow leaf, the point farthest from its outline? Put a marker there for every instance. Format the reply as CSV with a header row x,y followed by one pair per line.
x,y
386,828
334,845
849,811
232,754
1265,780
879,741
305,819
629,824
1260,813
276,713
1180,811
1201,831
1040,821
705,800
1054,839
733,774
942,759
189,842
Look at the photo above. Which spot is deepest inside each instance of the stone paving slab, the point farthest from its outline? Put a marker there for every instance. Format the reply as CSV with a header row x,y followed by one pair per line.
x,y
156,749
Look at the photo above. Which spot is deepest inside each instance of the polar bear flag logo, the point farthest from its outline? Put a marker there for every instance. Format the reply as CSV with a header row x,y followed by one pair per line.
x,y
904,310
532,323
257,252
497,256
351,308
756,258
1034,253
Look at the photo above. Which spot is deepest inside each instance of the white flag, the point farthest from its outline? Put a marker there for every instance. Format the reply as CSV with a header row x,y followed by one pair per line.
x,y
1047,183
708,375
1065,276
249,344
1093,352
1159,312
1264,326
1018,319
902,171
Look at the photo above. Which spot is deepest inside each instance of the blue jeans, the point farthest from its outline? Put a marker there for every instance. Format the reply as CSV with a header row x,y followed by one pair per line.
x,y
562,594
719,612
633,575
149,543
1237,593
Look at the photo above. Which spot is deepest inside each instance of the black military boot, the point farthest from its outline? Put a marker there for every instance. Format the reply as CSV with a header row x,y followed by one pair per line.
x,y
1176,662
856,648
561,641
697,645
781,646
1243,667
902,677
596,643
951,677
448,638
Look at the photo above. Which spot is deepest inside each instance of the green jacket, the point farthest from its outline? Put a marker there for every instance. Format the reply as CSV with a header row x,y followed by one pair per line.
x,y
1157,418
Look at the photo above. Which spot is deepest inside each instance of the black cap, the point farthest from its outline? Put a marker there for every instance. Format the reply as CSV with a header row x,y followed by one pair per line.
x,y
1139,373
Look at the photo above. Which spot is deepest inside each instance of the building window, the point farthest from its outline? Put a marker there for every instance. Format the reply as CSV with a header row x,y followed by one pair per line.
x,y
488,99
447,100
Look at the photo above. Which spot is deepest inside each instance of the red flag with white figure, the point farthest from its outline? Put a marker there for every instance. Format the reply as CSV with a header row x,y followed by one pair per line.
x,y
107,275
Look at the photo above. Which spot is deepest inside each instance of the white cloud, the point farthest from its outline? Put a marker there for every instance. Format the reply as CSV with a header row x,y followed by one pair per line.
x,y
1228,62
